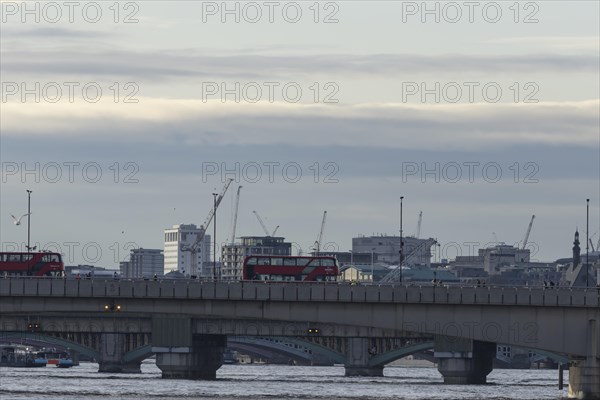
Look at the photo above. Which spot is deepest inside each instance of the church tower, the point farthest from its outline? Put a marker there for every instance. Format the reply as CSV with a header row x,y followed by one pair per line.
x,y
576,250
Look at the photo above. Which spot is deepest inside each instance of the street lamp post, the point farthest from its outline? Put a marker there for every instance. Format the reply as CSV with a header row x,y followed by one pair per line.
x,y
351,258
29,220
214,235
587,244
401,240
372,276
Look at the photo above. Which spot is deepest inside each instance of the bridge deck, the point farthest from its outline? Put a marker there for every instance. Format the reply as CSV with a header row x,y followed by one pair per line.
x,y
305,292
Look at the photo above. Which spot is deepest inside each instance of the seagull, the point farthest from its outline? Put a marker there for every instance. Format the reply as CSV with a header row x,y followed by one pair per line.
x,y
18,221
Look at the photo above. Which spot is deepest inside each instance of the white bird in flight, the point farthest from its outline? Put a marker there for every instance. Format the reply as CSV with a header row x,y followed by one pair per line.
x,y
18,221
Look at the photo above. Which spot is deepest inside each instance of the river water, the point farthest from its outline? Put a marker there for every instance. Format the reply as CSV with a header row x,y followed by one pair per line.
x,y
272,382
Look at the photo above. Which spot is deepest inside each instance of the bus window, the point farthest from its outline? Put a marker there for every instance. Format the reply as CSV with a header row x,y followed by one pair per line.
x,y
277,261
14,257
315,262
327,262
54,258
27,257
302,261
289,261
251,261
265,261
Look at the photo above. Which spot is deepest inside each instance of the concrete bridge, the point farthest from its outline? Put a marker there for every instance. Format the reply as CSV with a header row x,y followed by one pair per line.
x,y
186,322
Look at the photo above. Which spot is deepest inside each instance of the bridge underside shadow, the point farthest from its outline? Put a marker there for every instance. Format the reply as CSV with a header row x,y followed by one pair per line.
x,y
360,356
109,350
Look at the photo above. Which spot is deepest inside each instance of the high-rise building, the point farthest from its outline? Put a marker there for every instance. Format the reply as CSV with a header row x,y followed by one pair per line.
x,y
386,249
178,241
502,255
143,263
232,256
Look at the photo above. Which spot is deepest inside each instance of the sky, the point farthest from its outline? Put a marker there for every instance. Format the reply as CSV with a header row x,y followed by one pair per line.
x,y
124,117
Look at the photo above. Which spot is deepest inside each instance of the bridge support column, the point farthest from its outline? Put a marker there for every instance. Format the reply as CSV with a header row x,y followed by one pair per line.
x,y
584,375
112,350
358,354
463,361
584,379
74,356
200,361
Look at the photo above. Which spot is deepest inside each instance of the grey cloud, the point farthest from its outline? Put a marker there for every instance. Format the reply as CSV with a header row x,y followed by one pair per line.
x,y
399,126
165,64
57,32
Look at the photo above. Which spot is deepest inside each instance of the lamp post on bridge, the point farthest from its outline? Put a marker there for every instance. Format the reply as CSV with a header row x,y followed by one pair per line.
x,y
401,241
587,244
214,269
372,276
29,220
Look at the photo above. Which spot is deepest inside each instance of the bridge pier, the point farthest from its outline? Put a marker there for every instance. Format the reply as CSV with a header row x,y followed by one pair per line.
x,y
584,374
464,361
199,362
74,356
357,359
584,379
112,350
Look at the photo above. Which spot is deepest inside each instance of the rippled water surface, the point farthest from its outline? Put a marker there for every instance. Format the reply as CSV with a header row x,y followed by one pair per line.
x,y
256,382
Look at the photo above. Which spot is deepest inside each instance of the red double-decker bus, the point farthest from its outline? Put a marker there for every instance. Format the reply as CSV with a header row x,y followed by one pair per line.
x,y
31,264
290,268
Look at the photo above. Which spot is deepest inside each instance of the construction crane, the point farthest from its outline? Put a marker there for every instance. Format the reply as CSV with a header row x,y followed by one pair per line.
x,y
319,240
193,249
495,237
418,252
264,227
262,224
527,233
597,248
235,214
419,224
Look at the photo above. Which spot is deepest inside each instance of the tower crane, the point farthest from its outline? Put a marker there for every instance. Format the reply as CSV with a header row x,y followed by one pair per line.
x,y
527,233
193,249
319,241
419,224
235,214
264,227
597,248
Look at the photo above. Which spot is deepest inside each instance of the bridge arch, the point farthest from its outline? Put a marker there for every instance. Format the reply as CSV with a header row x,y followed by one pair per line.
x,y
388,357
89,352
139,354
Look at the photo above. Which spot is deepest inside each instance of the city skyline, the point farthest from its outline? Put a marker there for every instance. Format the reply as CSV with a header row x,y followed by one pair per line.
x,y
479,124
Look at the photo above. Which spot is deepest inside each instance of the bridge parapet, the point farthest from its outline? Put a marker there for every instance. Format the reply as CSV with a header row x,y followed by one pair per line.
x,y
318,292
